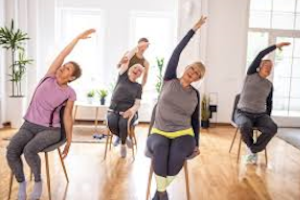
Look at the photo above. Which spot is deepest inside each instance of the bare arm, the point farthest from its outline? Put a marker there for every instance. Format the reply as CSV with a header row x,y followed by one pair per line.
x,y
131,111
124,66
146,72
68,122
59,60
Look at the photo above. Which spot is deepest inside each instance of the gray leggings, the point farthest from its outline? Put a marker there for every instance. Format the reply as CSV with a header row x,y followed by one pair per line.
x,y
169,155
263,122
30,140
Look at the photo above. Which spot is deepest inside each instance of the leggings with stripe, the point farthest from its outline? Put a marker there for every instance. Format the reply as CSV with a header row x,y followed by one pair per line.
x,y
30,140
169,155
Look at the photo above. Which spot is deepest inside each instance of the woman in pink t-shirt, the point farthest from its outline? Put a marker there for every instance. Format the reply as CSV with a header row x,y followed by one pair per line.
x,y
41,128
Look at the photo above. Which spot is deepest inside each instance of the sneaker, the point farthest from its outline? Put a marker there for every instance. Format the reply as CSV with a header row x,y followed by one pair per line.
x,y
254,158
117,141
250,158
129,143
161,196
123,151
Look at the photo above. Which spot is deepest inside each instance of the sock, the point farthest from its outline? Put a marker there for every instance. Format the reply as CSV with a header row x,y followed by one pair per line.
x,y
123,150
37,190
22,190
161,183
170,180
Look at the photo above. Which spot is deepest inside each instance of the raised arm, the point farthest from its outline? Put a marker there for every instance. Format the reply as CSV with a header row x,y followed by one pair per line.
x,y
123,66
59,60
173,62
145,74
256,62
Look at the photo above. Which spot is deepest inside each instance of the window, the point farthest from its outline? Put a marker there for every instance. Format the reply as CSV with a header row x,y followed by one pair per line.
x,y
88,53
159,28
275,14
270,22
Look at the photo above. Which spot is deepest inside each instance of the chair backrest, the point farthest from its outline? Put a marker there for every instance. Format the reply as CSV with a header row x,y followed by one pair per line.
x,y
236,101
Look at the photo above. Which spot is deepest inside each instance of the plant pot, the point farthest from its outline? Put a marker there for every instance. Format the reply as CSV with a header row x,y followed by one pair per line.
x,y
15,110
90,100
205,123
102,101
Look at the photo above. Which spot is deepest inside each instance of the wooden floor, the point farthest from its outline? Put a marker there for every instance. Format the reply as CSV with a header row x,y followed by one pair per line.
x,y
214,175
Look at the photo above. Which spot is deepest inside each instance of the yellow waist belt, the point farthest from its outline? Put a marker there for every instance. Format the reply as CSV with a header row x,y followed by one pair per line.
x,y
175,134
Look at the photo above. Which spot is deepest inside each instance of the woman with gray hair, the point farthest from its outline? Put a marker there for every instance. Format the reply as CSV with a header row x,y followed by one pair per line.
x,y
125,101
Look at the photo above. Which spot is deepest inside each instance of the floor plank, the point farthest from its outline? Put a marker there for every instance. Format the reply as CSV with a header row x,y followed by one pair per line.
x,y
214,175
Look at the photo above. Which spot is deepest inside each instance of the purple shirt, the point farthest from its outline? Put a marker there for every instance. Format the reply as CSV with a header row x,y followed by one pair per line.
x,y
47,97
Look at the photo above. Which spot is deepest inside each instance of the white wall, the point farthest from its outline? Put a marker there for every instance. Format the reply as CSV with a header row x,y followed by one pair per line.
x,y
226,51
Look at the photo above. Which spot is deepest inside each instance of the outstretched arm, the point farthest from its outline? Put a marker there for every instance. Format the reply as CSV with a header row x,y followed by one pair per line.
x,y
145,74
173,62
123,66
256,62
56,64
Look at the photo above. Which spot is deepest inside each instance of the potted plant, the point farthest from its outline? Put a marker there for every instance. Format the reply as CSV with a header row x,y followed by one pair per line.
x,y
159,79
90,96
205,112
12,39
102,94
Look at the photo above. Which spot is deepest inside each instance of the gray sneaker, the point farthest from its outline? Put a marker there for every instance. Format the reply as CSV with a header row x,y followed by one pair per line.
x,y
123,151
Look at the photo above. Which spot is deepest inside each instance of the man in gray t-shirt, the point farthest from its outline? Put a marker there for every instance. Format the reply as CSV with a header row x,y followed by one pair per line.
x,y
255,104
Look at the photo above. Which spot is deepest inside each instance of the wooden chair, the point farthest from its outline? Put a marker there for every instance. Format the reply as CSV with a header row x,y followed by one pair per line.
x,y
149,155
256,132
46,151
187,185
131,135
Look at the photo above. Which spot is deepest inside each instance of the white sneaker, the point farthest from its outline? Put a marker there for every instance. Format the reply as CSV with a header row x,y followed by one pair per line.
x,y
250,158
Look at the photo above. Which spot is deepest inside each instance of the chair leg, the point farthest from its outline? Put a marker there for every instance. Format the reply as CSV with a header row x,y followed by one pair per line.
x,y
187,184
131,138
235,134
149,182
11,181
239,149
48,175
106,144
134,137
110,140
63,164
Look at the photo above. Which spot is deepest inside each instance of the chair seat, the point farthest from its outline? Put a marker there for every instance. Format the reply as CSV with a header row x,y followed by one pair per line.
x,y
54,146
